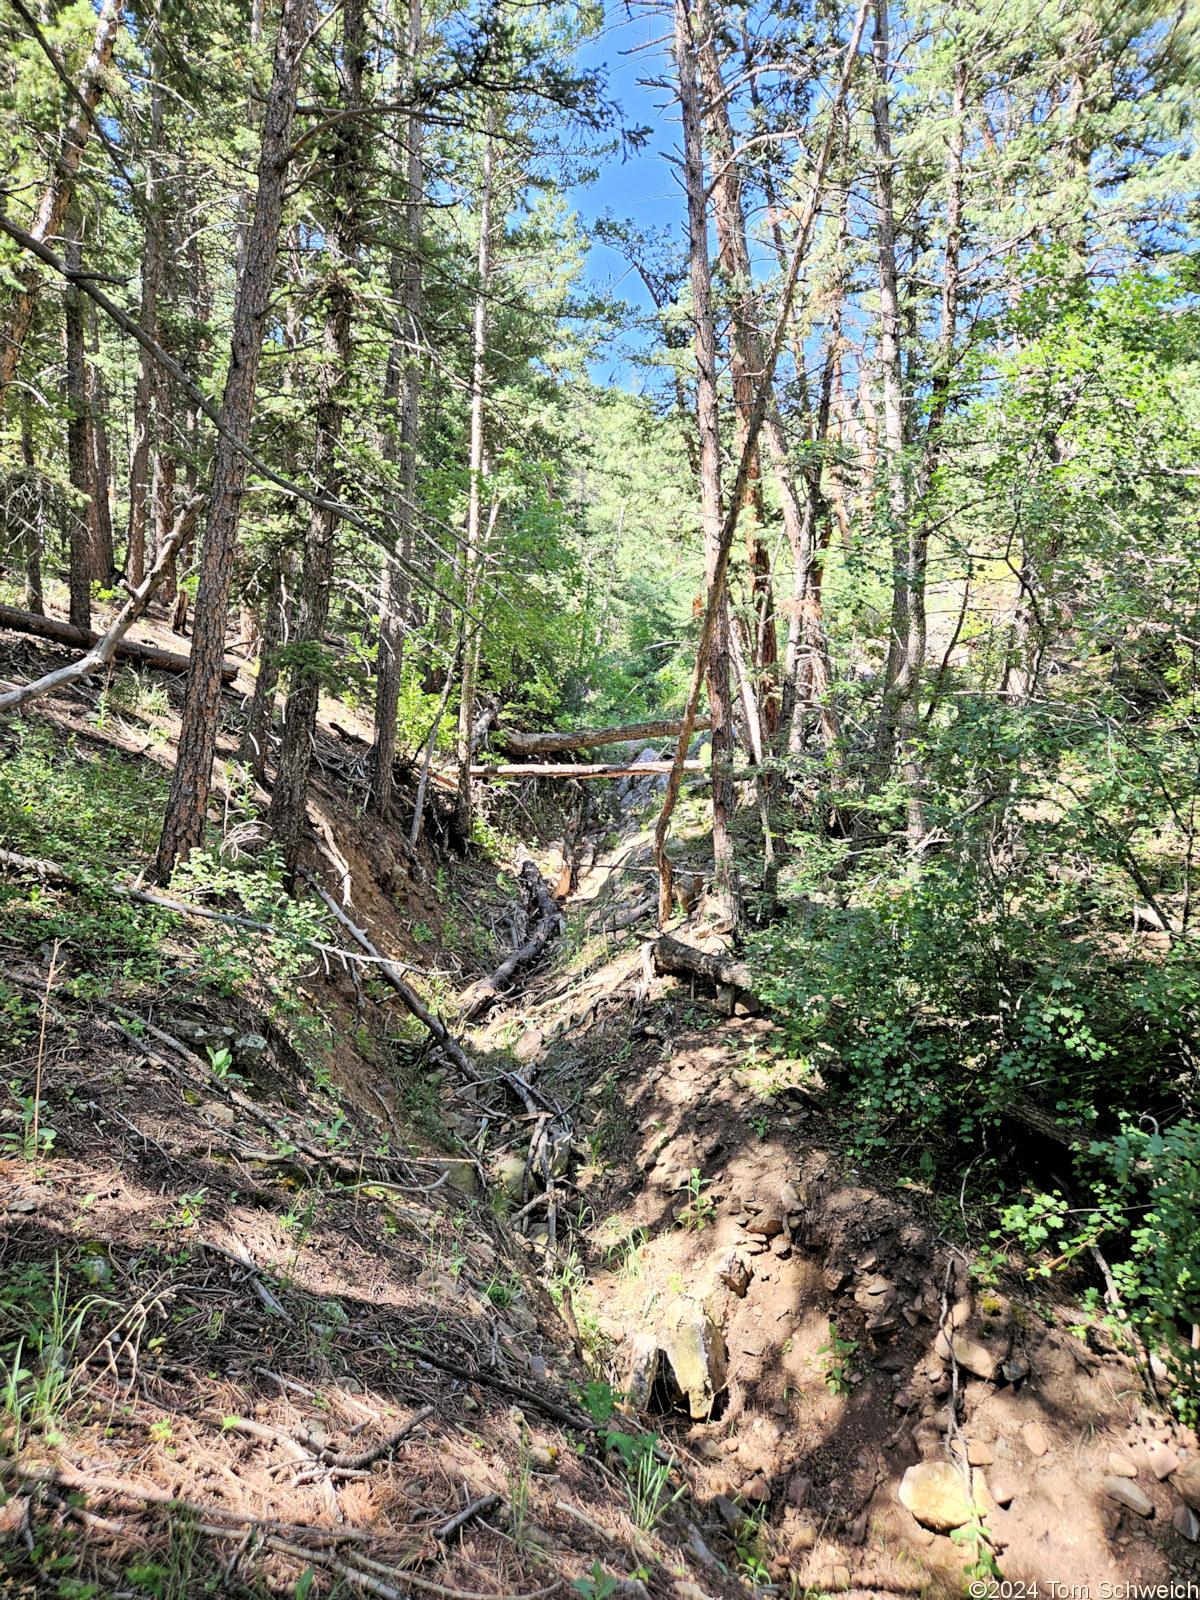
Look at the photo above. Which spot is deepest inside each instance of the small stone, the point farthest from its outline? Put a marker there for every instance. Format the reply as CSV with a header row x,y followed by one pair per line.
x,y
933,1491
528,1045
469,1403
798,1491
974,1358
789,1198
1127,1493
542,1459
1185,1521
1035,1439
856,1533
832,1577
757,1489
700,1550
781,1245
1004,1485
833,1278
732,1516
217,1111
510,1173
1187,1481
1015,1368
733,1270
979,1454
1121,1466
1163,1460
247,1050
804,1537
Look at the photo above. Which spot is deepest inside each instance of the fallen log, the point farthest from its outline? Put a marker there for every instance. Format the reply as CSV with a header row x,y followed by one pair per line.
x,y
544,744
553,770
482,994
60,632
684,960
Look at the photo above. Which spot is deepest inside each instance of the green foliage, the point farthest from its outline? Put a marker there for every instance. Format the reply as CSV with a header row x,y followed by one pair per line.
x,y
836,1355
646,1477
599,1586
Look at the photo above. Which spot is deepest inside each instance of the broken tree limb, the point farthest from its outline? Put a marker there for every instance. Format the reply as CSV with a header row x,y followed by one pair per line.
x,y
684,960
411,999
101,648
544,744
556,770
481,995
737,495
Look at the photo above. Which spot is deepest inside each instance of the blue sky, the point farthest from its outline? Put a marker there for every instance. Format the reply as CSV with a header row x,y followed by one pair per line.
x,y
644,187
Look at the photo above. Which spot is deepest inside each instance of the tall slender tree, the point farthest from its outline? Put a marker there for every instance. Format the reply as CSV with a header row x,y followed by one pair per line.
x,y
187,804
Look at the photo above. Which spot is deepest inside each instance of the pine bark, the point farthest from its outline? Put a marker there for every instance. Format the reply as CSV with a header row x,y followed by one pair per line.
x,y
34,600
289,797
56,198
477,467
183,824
79,450
907,533
708,431
401,398
104,566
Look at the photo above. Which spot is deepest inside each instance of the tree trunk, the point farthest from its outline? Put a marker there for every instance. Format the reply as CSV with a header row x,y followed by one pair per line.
x,y
34,600
149,381
183,824
401,397
746,361
908,538
79,452
708,429
104,565
56,199
255,745
478,467
289,797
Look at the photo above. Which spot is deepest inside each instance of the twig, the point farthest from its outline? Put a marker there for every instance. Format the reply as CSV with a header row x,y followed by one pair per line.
x,y
355,1462
486,1502
37,1082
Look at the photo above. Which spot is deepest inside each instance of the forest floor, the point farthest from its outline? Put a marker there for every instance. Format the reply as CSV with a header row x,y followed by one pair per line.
x,y
282,1330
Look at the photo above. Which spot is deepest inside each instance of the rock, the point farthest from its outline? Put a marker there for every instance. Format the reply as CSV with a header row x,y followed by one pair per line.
x,y
1185,1521
768,1222
733,1270
979,1454
694,1350
802,1537
974,1358
217,1111
1126,1493
529,1044
700,1550
1004,1485
642,1370
757,1489
1015,1368
781,1245
689,1591
933,1491
1121,1466
789,1198
832,1577
1187,1481
510,1173
798,1491
1163,1460
856,1533
1035,1439
248,1050
460,1175
833,1278
732,1516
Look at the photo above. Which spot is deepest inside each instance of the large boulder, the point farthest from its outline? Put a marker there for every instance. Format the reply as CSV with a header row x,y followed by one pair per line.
x,y
694,1349
933,1491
